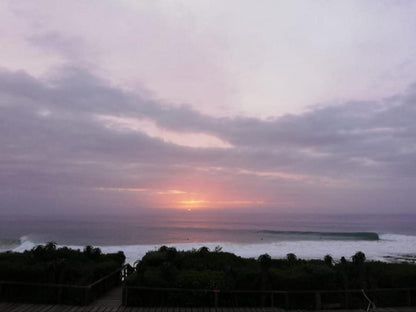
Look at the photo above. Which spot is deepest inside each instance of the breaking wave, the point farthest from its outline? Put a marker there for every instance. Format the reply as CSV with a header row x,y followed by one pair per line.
x,y
387,247
366,236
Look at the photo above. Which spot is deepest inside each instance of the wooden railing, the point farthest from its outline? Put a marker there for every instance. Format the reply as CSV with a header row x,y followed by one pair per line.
x,y
308,299
58,293
146,296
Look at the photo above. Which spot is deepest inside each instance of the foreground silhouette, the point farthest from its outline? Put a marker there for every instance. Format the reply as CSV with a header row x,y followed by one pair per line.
x,y
235,280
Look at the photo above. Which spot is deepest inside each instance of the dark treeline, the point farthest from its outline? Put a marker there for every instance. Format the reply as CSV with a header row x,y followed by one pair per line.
x,y
49,264
205,269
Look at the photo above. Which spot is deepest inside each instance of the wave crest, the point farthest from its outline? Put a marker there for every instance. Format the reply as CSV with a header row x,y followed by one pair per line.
x,y
307,235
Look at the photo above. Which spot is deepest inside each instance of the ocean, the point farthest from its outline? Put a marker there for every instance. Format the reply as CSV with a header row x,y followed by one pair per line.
x,y
380,237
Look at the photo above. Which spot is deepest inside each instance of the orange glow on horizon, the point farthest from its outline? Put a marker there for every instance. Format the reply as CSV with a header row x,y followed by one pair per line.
x,y
185,197
193,204
206,204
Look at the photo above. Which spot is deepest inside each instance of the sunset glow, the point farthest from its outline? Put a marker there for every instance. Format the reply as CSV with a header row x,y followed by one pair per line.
x,y
138,106
240,148
206,204
193,204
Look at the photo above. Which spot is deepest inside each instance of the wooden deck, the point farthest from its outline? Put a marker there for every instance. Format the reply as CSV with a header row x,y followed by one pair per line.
x,y
18,307
111,302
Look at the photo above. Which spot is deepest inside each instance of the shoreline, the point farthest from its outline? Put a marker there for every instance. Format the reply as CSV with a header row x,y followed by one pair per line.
x,y
385,250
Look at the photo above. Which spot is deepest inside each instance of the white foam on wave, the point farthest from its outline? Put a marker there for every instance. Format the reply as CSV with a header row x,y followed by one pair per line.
x,y
25,244
388,245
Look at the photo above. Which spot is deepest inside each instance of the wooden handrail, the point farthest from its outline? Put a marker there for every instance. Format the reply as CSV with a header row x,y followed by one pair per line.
x,y
271,291
62,285
86,295
106,276
317,297
42,284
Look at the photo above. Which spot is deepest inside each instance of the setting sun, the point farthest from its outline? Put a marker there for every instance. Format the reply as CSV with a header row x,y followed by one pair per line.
x,y
193,203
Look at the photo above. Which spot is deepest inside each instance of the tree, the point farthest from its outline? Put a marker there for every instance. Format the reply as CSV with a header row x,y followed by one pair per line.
x,y
218,249
358,258
163,248
171,253
291,258
50,246
265,261
203,250
88,250
328,260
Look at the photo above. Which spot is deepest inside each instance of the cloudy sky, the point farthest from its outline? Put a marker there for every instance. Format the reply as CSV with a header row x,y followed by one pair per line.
x,y
132,106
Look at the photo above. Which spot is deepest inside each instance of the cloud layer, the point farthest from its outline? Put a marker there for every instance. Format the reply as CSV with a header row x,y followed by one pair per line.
x,y
92,113
58,153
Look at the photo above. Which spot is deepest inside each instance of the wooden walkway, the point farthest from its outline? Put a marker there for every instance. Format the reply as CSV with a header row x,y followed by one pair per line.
x,y
111,299
18,307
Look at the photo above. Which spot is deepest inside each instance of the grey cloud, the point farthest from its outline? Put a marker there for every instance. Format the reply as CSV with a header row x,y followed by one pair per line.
x,y
358,143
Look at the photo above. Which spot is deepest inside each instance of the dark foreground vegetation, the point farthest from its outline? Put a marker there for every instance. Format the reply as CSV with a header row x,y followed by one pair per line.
x,y
58,275
168,277
232,279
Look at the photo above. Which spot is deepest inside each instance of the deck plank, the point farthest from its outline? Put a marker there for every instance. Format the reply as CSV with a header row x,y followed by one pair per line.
x,y
42,308
26,307
9,306
13,307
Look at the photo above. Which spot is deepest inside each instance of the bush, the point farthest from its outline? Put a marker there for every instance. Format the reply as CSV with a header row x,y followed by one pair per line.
x,y
208,269
49,264
204,269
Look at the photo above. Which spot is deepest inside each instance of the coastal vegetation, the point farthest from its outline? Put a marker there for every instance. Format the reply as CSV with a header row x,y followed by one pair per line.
x,y
203,269
47,274
203,277
168,267
49,264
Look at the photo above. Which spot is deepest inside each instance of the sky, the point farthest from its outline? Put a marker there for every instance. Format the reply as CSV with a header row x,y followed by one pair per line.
x,y
279,106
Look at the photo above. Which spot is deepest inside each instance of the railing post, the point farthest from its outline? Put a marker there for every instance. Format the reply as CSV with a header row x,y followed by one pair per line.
x,y
318,300
272,299
347,300
287,303
216,291
86,295
60,295
408,298
123,295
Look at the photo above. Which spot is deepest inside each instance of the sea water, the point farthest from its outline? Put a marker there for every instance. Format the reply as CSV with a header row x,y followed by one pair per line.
x,y
380,237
